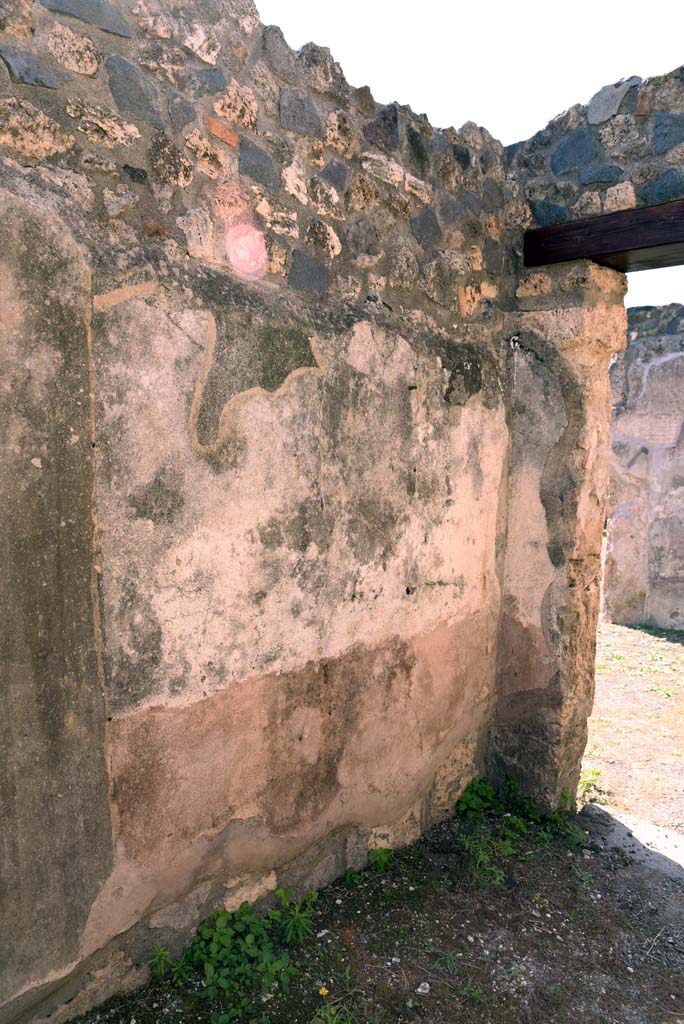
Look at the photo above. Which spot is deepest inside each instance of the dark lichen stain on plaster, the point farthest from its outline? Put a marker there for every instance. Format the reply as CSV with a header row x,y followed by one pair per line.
x,y
471,370
325,697
134,673
372,530
254,349
309,525
160,500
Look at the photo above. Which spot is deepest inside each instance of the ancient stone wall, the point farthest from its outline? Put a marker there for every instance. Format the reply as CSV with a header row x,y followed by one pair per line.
x,y
303,481
644,565
623,149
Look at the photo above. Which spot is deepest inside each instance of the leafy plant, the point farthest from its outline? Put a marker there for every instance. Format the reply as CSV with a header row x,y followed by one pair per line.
x,y
380,860
471,991
589,788
295,917
334,1013
580,874
352,877
446,960
573,837
238,960
482,848
515,825
182,969
238,956
522,806
477,799
160,961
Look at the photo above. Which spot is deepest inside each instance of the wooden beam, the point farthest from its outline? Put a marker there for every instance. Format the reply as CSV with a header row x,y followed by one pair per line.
x,y
641,239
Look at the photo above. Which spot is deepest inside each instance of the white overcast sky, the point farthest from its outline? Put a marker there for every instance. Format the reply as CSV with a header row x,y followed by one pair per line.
x,y
510,67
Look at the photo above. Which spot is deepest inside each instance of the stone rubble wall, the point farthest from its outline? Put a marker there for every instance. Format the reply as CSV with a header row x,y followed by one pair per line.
x,y
303,479
644,563
625,148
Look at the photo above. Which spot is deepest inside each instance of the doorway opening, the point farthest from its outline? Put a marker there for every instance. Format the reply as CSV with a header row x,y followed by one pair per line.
x,y
635,753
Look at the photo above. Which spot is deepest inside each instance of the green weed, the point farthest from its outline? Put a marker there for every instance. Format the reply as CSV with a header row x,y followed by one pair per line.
x,y
477,799
446,960
295,918
160,961
380,860
589,789
237,957
334,1013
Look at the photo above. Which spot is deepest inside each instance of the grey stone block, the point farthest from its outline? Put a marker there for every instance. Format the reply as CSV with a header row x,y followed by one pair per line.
x,y
94,12
298,113
606,103
668,132
426,229
257,164
29,70
307,274
133,94
574,151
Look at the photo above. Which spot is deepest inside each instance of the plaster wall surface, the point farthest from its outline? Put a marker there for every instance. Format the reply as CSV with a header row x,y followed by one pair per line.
x,y
304,478
644,569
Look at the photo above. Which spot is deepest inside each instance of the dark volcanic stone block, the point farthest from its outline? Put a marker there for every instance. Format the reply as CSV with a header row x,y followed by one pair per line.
x,y
492,196
419,150
335,172
95,12
574,151
384,130
547,213
277,52
669,185
601,174
181,111
132,92
208,81
257,164
668,131
426,229
307,274
298,113
461,155
29,70
452,208
136,174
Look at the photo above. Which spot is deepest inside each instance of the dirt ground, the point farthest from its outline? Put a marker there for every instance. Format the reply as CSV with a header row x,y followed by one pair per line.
x,y
636,735
508,919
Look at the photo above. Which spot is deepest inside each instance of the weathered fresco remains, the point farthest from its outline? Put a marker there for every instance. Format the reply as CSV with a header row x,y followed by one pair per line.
x,y
303,479
644,567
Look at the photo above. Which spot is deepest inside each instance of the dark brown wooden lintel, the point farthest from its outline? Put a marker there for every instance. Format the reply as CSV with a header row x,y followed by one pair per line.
x,y
641,239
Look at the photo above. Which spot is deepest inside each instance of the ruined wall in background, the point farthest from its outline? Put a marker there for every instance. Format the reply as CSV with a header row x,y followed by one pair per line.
x,y
644,565
305,479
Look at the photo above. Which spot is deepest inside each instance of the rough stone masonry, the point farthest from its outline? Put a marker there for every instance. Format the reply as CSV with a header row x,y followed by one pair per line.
x,y
644,566
303,479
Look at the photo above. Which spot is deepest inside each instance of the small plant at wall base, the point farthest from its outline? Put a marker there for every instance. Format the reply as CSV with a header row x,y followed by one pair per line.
x,y
380,860
294,919
489,830
477,799
589,788
238,957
